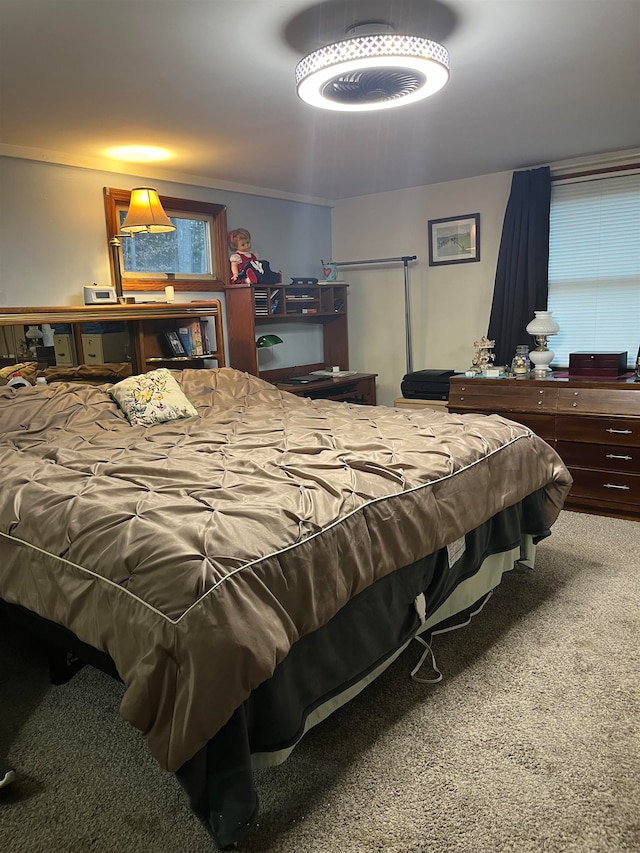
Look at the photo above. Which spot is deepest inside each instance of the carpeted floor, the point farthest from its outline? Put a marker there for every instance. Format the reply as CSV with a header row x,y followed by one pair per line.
x,y
530,743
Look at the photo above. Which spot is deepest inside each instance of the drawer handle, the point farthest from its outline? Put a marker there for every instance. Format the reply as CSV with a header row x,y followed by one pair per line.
x,y
612,486
620,431
617,456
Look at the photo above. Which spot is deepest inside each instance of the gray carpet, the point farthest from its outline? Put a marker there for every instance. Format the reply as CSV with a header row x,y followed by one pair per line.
x,y
530,743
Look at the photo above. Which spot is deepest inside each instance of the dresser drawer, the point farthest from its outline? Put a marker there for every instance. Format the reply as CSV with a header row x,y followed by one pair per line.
x,y
605,486
63,350
619,431
542,425
606,457
502,396
104,348
600,401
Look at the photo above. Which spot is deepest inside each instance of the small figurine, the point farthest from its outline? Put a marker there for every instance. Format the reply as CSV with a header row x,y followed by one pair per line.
x,y
483,357
245,266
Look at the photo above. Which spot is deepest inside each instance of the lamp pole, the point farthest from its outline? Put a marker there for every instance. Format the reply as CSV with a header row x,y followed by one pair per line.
x,y
407,303
115,244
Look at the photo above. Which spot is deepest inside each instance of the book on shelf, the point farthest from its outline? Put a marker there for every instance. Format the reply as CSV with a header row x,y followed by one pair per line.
x,y
190,334
206,340
185,338
266,302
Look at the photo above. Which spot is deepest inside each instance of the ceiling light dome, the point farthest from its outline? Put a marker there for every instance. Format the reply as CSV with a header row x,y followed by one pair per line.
x,y
372,71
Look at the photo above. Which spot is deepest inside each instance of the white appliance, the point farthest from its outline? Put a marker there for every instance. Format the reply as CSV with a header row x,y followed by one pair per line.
x,y
95,295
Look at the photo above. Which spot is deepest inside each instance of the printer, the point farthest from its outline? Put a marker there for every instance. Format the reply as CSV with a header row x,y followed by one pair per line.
x,y
426,385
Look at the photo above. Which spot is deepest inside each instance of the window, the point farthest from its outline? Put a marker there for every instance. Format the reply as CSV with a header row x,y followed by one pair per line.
x,y
193,257
185,251
594,265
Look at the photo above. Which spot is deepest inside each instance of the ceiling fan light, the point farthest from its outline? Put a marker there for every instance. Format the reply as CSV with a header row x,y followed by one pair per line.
x,y
372,72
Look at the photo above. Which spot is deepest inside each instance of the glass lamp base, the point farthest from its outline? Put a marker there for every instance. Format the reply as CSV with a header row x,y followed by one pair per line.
x,y
540,361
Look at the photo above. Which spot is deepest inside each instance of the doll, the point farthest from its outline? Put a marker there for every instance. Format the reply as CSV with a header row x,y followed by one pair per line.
x,y
245,266
241,257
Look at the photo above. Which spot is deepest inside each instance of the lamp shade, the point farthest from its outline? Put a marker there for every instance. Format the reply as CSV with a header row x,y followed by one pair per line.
x,y
268,341
543,324
146,214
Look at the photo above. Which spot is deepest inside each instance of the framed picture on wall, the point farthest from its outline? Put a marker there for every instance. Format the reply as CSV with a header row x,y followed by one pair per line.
x,y
454,240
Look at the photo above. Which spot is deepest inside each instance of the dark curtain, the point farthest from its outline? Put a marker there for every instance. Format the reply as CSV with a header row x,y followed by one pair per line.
x,y
521,284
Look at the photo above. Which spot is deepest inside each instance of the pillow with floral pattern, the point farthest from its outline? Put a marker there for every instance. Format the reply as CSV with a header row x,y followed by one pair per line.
x,y
152,398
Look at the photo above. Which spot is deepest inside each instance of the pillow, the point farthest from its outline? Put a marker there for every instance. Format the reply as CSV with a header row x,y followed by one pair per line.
x,y
27,369
152,398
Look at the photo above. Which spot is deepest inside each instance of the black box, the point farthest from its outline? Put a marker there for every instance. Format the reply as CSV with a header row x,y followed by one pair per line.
x,y
597,364
46,355
426,385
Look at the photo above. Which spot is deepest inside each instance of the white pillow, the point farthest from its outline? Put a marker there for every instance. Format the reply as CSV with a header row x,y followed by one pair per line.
x,y
152,398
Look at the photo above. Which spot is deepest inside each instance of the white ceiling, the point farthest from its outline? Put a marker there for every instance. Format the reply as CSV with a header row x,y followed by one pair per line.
x,y
532,82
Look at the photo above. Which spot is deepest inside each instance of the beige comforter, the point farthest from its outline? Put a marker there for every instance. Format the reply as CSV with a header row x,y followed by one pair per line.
x,y
195,553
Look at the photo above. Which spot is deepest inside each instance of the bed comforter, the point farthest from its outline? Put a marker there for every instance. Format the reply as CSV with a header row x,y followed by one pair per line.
x,y
196,553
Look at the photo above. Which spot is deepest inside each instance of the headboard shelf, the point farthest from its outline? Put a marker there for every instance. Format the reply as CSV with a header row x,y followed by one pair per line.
x,y
145,323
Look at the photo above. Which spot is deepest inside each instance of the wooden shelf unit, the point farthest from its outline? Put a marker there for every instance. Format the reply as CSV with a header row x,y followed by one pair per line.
x,y
594,426
145,325
249,306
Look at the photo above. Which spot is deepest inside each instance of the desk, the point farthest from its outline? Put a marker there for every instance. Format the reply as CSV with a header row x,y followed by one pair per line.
x,y
357,388
593,424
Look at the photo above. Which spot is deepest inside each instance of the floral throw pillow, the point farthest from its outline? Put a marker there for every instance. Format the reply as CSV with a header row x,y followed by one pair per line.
x,y
152,398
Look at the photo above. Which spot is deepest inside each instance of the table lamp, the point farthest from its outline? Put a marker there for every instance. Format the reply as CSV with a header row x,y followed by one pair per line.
x,y
541,327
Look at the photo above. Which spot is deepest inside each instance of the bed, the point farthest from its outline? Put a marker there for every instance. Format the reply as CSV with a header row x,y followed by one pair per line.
x,y
250,568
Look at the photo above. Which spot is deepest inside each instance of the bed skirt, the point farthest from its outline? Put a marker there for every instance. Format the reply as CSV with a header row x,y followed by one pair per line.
x,y
328,667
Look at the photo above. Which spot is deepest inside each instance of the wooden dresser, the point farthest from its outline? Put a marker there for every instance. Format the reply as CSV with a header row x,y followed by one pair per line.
x,y
594,426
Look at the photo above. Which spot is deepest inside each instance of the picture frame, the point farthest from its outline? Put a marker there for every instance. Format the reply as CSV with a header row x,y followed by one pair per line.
x,y
172,344
454,240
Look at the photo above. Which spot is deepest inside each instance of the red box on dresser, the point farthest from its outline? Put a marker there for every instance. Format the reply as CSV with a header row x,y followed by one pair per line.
x,y
596,365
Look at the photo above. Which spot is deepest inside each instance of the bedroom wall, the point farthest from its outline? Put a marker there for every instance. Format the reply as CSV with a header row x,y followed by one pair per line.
x,y
450,305
53,237
52,241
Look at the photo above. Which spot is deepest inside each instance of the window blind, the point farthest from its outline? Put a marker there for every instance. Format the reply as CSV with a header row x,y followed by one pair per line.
x,y
594,266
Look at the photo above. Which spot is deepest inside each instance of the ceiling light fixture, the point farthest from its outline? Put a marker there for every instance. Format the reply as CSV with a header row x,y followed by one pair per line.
x,y
138,153
374,68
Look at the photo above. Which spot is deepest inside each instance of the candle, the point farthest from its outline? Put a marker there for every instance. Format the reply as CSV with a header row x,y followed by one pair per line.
x,y
169,293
